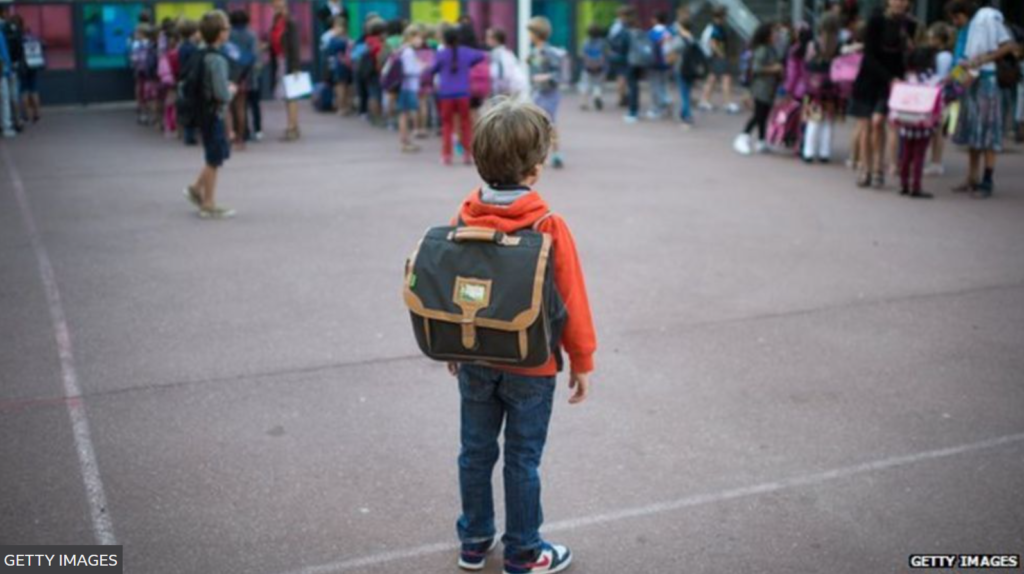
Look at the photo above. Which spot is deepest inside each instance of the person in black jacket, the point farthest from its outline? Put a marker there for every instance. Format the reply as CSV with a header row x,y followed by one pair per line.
x,y
888,38
284,59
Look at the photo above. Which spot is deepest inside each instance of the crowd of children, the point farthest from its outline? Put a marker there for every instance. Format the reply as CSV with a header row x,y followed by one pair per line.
x,y
908,87
423,80
419,79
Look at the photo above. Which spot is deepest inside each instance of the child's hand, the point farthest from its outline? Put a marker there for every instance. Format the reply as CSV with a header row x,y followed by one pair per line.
x,y
580,385
453,369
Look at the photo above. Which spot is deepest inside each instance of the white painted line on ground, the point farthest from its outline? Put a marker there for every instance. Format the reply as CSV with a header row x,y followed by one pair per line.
x,y
103,527
812,479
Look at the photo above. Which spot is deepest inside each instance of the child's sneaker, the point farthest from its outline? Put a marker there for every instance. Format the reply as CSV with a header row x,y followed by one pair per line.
x,y
742,144
732,108
934,169
598,104
629,119
549,559
473,556
218,212
193,195
705,106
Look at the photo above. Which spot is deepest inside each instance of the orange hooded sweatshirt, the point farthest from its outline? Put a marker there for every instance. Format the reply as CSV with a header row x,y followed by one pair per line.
x,y
578,338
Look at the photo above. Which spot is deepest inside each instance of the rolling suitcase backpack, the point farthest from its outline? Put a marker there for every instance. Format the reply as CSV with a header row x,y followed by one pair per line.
x,y
478,295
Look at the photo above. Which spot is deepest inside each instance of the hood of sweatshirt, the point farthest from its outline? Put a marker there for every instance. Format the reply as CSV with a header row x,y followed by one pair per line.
x,y
521,213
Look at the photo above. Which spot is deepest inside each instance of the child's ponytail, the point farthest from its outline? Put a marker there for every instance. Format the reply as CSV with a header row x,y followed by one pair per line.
x,y
451,39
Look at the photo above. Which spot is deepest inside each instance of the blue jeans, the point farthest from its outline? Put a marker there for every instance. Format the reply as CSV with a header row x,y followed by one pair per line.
x,y
659,90
489,398
633,75
685,113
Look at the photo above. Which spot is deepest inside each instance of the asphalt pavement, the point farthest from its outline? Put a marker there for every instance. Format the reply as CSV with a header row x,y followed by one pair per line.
x,y
794,374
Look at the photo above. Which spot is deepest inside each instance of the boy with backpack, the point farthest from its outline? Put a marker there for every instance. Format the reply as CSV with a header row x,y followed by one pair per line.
x,y
207,92
500,221
545,76
594,55
688,62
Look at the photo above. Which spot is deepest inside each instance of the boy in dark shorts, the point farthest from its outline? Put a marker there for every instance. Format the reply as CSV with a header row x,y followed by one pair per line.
x,y
216,92
510,145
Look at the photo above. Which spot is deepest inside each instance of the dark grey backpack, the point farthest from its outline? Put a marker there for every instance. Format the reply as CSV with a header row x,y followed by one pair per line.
x,y
482,296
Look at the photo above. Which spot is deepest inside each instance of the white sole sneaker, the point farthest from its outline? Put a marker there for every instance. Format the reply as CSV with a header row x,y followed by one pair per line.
x,y
472,567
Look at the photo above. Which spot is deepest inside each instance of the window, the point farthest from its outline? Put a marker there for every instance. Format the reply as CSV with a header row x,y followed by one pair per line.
x,y
51,23
108,34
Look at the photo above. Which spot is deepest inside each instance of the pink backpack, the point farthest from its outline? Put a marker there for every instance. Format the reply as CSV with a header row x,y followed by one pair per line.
x,y
844,72
480,79
784,123
915,105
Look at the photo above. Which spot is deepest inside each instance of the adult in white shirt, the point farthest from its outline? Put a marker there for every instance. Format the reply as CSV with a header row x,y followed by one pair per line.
x,y
980,127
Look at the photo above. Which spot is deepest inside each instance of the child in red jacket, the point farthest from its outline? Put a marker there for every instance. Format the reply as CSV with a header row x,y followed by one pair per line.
x,y
510,144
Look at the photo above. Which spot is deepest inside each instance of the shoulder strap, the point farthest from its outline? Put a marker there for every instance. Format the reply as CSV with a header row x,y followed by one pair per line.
x,y
536,224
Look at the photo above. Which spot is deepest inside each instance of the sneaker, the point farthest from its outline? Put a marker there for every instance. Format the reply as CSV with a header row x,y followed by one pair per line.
x,y
410,148
258,136
193,195
10,133
218,212
983,190
653,115
549,559
630,119
705,106
598,104
686,125
742,144
732,108
557,163
934,169
473,555
761,147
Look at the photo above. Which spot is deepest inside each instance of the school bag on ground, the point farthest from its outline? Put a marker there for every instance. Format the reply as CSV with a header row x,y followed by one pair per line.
x,y
323,97
33,48
479,295
641,50
915,105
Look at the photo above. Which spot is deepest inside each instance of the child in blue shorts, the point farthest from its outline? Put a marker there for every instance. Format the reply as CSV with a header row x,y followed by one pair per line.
x,y
217,91
408,96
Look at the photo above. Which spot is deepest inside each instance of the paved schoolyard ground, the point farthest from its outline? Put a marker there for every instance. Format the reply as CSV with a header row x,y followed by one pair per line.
x,y
794,375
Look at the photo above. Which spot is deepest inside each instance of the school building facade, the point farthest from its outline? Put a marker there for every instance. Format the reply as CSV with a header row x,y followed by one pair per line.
x,y
86,41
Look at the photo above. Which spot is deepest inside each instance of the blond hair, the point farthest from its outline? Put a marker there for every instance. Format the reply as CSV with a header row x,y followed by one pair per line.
x,y
411,31
540,27
510,140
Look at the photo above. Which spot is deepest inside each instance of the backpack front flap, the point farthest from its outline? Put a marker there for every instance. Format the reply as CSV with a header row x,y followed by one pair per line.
x,y
476,294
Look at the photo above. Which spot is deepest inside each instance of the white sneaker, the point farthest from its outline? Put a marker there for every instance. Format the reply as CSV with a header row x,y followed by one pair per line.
x,y
705,107
629,119
732,108
10,133
761,147
742,144
935,169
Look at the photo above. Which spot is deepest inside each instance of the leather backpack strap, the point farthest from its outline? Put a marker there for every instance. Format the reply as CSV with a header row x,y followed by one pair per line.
x,y
537,223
